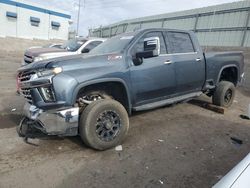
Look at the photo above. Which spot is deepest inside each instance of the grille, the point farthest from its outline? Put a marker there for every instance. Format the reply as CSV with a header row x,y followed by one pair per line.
x,y
24,77
28,59
27,95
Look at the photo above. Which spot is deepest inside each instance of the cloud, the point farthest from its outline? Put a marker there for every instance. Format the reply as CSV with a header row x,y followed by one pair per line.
x,y
103,12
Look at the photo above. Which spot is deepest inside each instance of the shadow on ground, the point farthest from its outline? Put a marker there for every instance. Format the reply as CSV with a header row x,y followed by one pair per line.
x,y
9,120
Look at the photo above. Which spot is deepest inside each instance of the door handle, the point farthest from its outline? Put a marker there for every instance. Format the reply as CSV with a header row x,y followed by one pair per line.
x,y
168,62
198,59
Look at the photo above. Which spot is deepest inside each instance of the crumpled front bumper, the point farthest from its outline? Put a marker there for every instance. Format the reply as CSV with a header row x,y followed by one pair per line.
x,y
62,122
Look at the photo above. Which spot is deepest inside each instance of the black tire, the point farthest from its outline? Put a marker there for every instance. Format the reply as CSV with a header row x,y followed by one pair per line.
x,y
101,118
224,94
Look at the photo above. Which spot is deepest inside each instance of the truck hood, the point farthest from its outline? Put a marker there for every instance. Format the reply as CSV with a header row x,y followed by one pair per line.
x,y
56,54
35,52
74,61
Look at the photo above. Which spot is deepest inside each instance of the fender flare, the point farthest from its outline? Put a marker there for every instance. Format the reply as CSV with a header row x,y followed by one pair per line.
x,y
227,66
99,81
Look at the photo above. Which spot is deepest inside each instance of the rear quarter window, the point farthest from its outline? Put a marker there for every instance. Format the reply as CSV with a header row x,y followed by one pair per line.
x,y
179,42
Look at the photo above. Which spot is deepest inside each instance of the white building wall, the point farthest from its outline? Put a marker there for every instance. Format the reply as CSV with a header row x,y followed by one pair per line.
x,y
8,26
26,30
62,32
21,26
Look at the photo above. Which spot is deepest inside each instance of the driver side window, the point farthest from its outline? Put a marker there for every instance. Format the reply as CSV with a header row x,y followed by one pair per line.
x,y
139,46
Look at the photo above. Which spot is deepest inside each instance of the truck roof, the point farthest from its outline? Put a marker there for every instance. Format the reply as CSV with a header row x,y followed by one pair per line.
x,y
151,29
163,29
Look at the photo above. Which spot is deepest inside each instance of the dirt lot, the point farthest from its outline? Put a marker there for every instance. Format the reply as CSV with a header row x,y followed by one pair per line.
x,y
183,145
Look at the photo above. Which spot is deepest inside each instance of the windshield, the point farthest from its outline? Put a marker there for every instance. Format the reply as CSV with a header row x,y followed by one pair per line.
x,y
113,45
73,44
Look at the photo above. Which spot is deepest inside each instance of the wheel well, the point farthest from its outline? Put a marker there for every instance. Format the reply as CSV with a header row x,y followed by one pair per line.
x,y
229,74
115,89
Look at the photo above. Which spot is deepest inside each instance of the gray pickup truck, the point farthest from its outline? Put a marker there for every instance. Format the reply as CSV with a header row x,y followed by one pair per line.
x,y
92,95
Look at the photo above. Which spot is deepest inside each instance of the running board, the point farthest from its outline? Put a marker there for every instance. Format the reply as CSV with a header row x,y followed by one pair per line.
x,y
166,102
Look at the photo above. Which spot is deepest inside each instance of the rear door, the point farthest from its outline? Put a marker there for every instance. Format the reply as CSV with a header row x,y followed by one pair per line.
x,y
189,62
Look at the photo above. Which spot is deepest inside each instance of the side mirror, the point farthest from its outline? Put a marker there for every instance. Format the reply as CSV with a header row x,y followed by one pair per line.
x,y
151,48
85,50
147,54
152,44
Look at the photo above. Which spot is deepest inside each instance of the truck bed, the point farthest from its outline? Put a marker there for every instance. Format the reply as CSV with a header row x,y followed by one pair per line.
x,y
217,61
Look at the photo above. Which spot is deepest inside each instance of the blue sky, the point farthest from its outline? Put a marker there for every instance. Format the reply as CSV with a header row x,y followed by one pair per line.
x,y
95,13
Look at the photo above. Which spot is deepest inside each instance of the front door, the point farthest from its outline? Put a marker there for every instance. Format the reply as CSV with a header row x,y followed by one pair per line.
x,y
154,79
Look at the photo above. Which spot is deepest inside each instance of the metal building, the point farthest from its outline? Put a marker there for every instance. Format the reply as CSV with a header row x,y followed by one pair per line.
x,y
29,20
221,25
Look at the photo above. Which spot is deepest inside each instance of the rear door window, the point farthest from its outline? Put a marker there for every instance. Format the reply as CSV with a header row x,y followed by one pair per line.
x,y
179,42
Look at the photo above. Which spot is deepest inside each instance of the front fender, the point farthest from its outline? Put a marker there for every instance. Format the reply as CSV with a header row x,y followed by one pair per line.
x,y
63,86
99,81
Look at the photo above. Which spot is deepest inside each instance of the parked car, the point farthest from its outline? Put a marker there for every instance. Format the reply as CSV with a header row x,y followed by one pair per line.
x,y
238,177
92,95
51,45
71,47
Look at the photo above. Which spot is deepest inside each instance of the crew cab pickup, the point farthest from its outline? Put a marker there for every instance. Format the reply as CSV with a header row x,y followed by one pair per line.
x,y
92,95
71,47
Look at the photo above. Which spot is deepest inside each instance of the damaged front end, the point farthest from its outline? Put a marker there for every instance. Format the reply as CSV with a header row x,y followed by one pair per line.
x,y
62,122
42,111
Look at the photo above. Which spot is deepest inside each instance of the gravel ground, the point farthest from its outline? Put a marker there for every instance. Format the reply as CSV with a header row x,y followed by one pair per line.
x,y
182,145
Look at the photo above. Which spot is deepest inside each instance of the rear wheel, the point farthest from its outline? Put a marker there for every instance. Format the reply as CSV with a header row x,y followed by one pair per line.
x,y
104,124
224,94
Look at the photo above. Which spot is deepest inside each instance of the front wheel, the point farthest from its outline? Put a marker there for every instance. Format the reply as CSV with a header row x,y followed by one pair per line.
x,y
224,94
104,124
